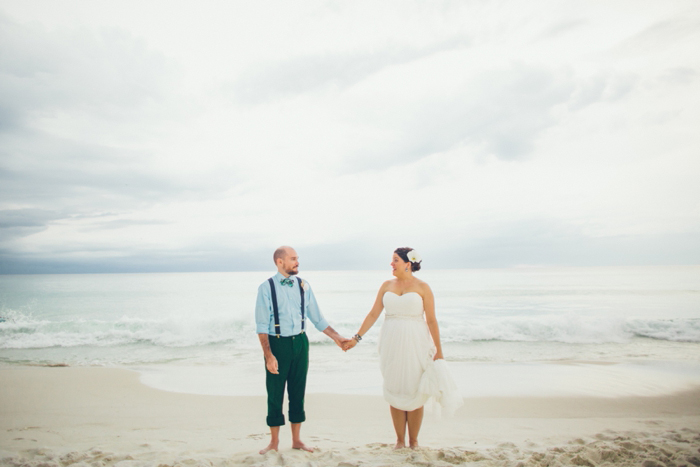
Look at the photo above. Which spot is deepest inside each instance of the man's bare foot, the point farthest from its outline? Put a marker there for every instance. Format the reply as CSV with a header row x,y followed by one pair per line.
x,y
400,445
302,447
270,447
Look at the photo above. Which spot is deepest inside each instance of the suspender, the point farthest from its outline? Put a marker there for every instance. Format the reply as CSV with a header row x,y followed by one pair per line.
x,y
301,291
275,309
274,306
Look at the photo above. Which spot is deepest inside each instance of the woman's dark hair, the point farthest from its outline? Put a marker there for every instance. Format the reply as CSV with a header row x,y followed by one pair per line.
x,y
403,254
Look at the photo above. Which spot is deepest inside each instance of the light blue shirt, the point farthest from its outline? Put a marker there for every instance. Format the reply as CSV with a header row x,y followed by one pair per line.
x,y
289,308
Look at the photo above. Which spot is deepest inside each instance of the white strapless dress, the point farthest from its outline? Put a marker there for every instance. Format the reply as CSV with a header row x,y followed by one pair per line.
x,y
406,352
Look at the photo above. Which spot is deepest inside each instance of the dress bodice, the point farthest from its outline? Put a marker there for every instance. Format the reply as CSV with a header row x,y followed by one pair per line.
x,y
408,305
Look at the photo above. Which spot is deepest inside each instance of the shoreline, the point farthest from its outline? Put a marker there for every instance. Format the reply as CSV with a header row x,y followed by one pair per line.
x,y
361,376
106,416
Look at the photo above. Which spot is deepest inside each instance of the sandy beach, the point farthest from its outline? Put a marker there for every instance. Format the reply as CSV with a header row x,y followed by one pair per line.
x,y
105,416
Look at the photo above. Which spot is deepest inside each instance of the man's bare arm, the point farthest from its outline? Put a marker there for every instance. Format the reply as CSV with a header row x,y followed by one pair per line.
x,y
337,338
270,360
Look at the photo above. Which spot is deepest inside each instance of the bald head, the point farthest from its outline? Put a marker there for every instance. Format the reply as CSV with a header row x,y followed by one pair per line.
x,y
281,253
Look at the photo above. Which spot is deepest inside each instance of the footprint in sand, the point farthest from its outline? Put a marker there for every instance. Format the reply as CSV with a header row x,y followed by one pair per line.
x,y
376,446
452,456
173,441
673,436
25,428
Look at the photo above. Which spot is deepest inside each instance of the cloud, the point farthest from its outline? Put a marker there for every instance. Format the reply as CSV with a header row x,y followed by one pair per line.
x,y
500,111
122,224
117,260
77,107
60,90
37,169
305,74
23,222
12,218
530,243
661,34
548,242
562,27
109,73
128,147
607,87
680,76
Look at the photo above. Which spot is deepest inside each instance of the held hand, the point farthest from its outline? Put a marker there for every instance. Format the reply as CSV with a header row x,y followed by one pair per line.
x,y
271,364
342,342
349,344
438,356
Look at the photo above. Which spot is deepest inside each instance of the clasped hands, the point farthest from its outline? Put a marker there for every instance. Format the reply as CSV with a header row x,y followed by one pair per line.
x,y
346,344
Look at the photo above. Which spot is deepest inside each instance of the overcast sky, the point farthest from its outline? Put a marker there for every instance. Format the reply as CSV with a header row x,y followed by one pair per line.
x,y
199,136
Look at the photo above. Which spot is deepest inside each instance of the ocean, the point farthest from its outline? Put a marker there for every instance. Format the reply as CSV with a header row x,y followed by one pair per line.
x,y
547,331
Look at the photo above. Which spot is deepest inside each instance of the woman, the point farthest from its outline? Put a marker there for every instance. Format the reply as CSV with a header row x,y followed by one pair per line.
x,y
411,362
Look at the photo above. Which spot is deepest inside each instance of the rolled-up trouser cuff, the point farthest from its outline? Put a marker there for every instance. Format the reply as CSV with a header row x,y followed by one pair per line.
x,y
297,417
277,420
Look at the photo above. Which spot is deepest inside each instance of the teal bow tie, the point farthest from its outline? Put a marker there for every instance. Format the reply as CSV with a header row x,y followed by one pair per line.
x,y
287,281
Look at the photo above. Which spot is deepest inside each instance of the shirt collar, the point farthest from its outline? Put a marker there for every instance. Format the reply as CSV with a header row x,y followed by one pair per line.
x,y
279,276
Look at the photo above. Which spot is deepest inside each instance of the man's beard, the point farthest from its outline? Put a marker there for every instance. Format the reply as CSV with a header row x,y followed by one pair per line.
x,y
292,272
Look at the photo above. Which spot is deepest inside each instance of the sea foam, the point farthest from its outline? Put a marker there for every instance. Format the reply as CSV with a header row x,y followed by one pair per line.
x,y
26,332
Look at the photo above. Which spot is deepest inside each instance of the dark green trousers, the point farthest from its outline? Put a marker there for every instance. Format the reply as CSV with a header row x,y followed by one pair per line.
x,y
292,354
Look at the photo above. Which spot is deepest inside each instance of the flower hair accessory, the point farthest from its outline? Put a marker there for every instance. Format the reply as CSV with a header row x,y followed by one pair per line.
x,y
414,257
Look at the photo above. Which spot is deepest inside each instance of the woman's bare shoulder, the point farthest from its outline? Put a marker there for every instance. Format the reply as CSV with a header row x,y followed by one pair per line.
x,y
423,286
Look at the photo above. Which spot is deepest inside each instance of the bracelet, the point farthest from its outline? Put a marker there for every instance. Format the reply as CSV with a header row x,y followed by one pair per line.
x,y
357,337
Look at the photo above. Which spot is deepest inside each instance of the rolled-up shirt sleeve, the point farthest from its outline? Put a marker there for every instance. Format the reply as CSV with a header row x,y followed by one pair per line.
x,y
313,312
263,305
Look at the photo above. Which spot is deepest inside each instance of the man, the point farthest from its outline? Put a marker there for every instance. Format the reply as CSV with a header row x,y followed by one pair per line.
x,y
284,342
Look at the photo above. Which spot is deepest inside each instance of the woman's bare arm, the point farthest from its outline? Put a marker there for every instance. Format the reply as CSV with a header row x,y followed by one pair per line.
x,y
372,316
431,319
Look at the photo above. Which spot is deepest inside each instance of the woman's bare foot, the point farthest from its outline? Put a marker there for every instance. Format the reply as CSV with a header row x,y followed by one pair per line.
x,y
270,447
399,445
302,447
414,445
